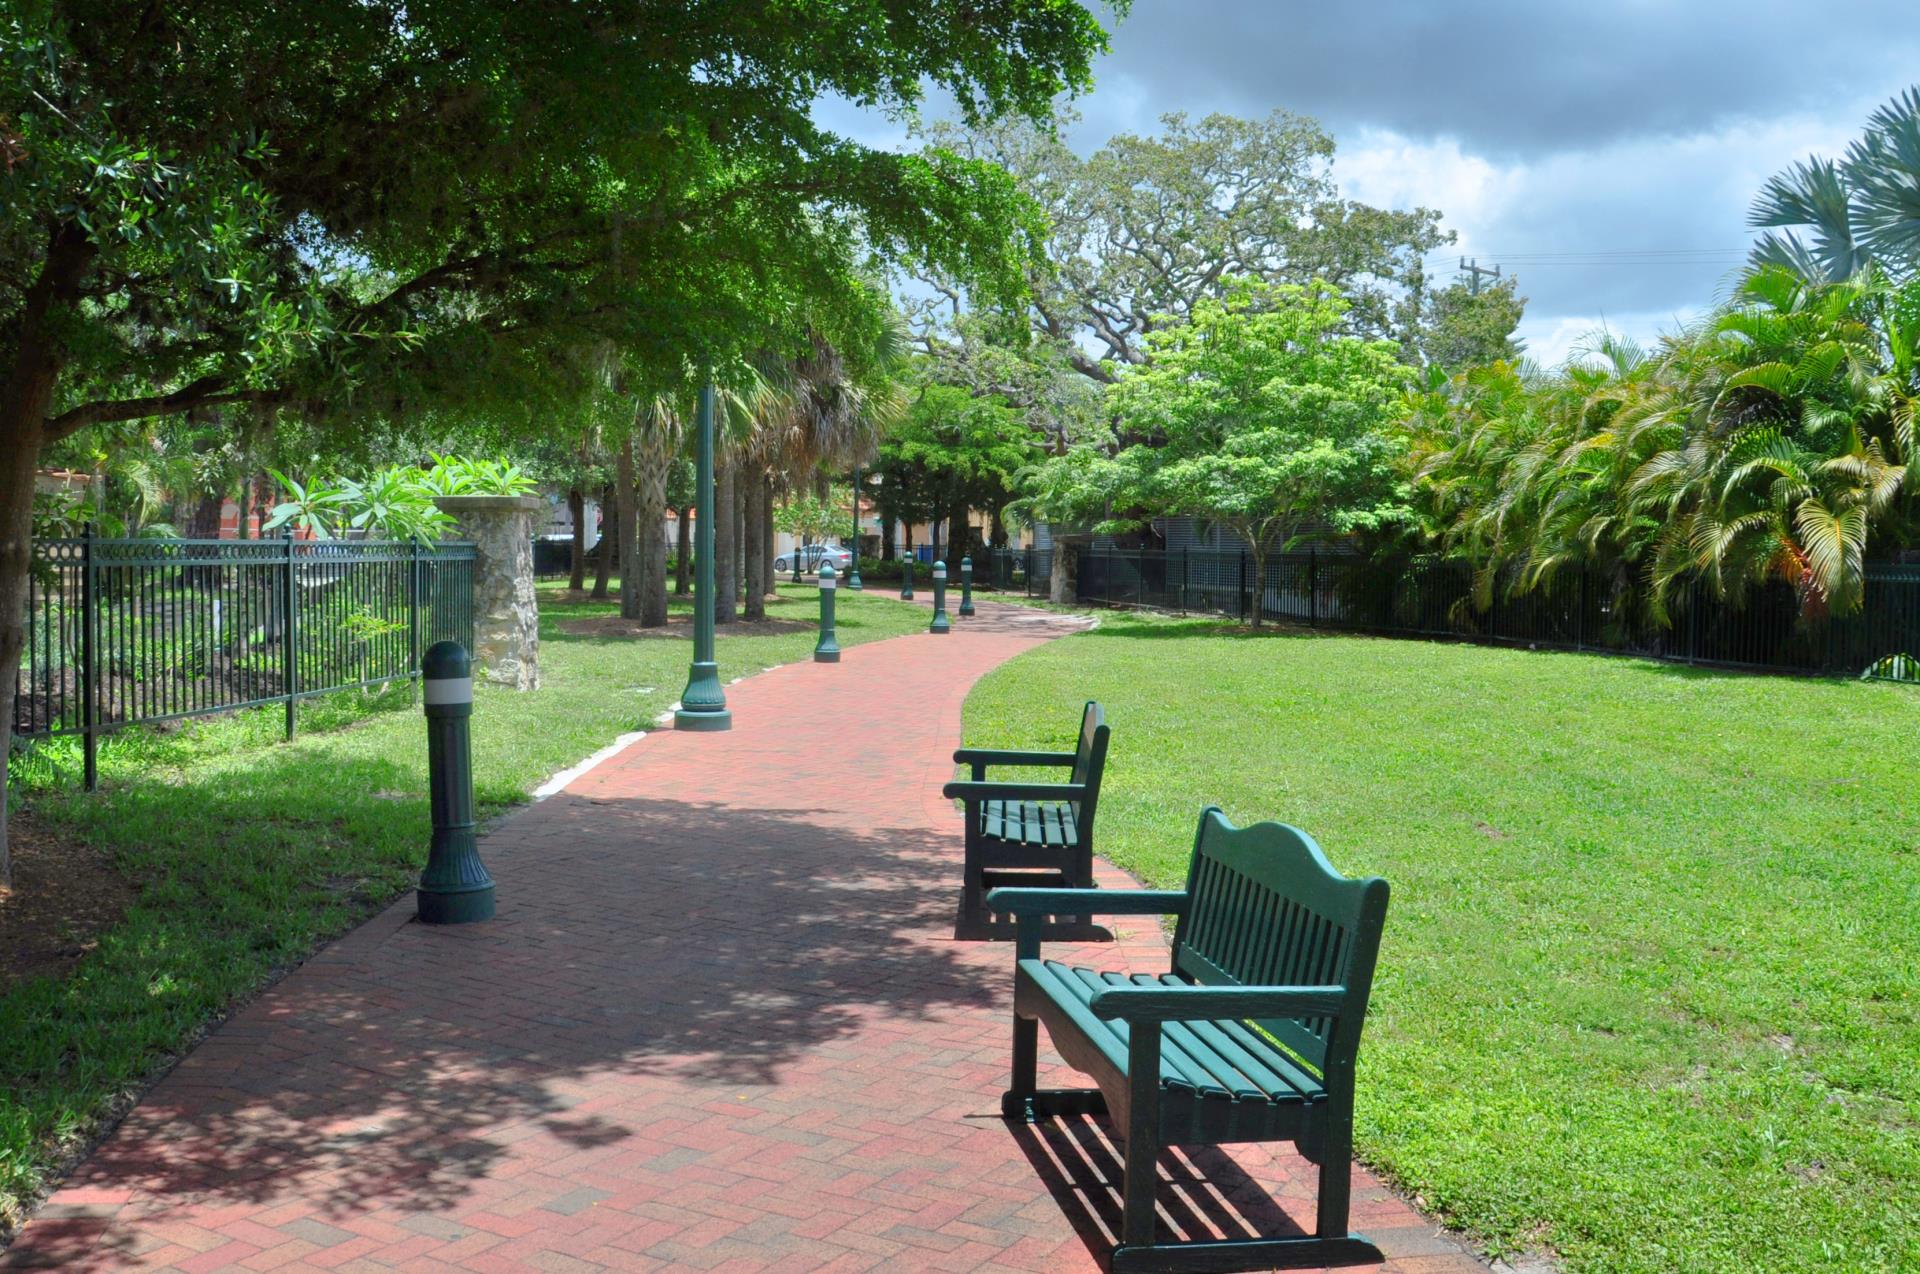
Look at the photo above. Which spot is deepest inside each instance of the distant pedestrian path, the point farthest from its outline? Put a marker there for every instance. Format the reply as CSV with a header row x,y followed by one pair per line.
x,y
720,1020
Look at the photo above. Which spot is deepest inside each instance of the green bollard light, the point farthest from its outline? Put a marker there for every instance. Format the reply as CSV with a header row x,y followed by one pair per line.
x,y
906,586
455,888
966,586
940,622
826,650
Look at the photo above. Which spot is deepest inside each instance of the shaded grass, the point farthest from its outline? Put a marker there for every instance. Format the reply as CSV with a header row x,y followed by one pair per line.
x,y
249,852
1650,988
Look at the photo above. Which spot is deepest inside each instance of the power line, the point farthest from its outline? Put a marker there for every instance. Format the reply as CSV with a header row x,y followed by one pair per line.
x,y
1632,257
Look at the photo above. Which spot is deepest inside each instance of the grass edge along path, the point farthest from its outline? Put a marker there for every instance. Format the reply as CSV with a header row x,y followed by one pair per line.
x,y
249,853
1650,989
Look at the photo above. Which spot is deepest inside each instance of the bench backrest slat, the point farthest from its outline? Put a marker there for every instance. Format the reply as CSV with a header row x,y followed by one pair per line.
x,y
1089,764
1266,908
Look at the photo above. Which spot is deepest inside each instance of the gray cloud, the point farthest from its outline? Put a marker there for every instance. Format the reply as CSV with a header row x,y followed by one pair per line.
x,y
1632,129
1515,78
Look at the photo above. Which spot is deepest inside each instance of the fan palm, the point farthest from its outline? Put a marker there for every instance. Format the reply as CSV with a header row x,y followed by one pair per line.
x,y
1854,212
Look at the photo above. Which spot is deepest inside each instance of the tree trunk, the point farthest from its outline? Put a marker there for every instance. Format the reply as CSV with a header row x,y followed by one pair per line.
x,y
609,537
997,536
630,560
726,556
770,576
577,509
1060,581
683,552
959,535
1259,598
741,481
754,490
654,467
25,395
651,568
886,539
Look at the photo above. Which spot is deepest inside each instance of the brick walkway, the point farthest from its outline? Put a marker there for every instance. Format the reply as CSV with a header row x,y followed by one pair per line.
x,y
720,1022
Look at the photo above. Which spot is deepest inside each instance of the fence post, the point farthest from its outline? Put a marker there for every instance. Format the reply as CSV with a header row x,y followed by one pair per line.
x,y
1693,621
290,638
89,742
1241,580
1313,585
413,611
1580,616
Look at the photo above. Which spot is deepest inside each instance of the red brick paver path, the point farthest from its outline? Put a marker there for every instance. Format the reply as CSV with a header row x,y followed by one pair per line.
x,y
719,1023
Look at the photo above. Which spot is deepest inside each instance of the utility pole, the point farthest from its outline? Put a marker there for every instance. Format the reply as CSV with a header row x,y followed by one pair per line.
x,y
1473,270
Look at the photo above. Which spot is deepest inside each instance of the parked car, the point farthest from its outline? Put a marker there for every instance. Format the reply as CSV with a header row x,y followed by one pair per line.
x,y
811,555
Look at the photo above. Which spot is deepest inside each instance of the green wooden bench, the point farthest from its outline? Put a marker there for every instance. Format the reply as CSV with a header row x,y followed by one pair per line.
x,y
1029,833
1251,1035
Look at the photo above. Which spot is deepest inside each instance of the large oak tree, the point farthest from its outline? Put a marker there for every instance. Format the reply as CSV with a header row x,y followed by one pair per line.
x,y
353,209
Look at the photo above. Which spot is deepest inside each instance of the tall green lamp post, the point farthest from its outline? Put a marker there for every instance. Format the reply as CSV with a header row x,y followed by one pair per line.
x,y
703,704
853,545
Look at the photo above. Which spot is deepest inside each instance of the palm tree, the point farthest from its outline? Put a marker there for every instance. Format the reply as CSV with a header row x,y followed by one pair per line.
x,y
1854,212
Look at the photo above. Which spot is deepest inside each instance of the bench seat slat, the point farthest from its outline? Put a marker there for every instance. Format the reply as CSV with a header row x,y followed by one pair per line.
x,y
1289,1072
1205,1058
1176,1067
1049,823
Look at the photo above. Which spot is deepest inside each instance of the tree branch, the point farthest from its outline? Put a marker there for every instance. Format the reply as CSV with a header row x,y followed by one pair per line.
x,y
208,391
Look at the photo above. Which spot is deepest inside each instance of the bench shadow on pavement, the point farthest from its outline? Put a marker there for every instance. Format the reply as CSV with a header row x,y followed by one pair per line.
x,y
1203,1192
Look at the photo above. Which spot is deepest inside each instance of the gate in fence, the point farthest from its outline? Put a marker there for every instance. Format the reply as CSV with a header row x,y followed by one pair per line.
x,y
121,632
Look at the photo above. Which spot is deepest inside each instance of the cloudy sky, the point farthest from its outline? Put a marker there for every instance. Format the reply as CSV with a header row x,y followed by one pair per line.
x,y
1606,154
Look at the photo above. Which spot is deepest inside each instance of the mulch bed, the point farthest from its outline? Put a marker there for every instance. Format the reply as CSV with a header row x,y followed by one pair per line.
x,y
64,895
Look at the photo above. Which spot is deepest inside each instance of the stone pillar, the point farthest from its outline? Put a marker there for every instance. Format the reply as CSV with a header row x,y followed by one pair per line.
x,y
506,618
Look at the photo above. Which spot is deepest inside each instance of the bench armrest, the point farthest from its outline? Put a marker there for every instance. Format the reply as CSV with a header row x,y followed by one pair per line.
x,y
990,791
1201,1003
995,756
1088,902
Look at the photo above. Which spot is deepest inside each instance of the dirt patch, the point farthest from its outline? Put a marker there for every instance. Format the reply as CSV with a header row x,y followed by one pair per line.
x,y
64,895
680,627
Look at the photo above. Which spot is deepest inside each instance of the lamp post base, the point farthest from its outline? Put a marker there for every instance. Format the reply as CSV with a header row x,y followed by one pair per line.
x,y
457,908
703,704
826,656
685,719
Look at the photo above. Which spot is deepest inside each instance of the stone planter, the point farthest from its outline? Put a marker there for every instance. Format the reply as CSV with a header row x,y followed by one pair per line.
x,y
506,618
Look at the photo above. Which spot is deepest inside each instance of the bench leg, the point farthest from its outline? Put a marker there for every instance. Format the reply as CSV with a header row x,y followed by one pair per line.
x,y
1336,1185
973,896
1142,1174
1018,1101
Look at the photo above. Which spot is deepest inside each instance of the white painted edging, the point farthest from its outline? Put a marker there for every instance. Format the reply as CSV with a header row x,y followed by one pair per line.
x,y
558,783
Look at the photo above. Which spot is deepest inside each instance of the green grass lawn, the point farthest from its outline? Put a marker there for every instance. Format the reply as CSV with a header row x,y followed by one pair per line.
x,y
250,852
1648,988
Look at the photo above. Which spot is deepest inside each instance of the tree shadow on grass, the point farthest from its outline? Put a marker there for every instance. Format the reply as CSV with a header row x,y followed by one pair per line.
x,y
650,958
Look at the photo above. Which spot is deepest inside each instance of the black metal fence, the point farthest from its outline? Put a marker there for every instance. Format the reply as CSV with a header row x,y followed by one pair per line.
x,y
552,558
127,631
1576,610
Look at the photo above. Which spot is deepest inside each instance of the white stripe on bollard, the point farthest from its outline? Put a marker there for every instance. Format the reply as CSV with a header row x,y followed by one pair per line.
x,y
449,690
